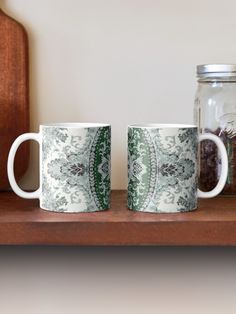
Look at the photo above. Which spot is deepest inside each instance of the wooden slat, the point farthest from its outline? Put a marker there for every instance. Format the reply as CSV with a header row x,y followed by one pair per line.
x,y
14,94
23,222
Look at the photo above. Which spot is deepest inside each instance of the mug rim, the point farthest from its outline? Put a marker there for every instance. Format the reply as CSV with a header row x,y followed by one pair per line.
x,y
161,126
76,125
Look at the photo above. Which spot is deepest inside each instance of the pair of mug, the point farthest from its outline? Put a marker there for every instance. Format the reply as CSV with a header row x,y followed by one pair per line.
x,y
75,167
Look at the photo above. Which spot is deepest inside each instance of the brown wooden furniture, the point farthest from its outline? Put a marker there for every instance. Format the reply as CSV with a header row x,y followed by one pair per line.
x,y
23,222
14,94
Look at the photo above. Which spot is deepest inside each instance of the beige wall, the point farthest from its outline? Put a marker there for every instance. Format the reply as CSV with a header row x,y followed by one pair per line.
x,y
119,61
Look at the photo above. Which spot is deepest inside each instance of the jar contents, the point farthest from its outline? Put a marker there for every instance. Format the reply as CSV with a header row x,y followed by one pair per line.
x,y
210,166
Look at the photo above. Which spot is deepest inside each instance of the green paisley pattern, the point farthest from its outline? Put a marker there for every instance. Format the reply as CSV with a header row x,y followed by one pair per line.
x,y
76,169
162,169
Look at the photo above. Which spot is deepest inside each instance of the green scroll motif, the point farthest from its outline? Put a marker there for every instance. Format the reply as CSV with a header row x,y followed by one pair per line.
x,y
162,169
76,169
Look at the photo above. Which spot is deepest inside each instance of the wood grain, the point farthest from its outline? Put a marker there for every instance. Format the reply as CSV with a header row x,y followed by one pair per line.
x,y
14,94
23,222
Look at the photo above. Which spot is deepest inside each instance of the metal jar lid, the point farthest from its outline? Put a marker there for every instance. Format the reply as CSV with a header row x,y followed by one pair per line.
x,y
216,70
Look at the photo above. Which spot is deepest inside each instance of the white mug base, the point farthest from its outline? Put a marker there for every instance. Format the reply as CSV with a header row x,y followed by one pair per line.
x,y
74,211
160,211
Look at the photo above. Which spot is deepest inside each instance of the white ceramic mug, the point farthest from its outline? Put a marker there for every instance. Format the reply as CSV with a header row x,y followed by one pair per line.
x,y
163,167
74,167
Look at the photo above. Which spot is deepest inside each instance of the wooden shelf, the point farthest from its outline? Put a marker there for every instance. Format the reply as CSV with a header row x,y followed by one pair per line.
x,y
23,222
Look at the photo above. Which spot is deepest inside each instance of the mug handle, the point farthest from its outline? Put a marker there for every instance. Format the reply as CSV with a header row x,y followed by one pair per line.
x,y
10,165
224,163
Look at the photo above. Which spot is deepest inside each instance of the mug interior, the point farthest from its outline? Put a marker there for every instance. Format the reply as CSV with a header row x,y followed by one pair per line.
x,y
161,126
75,125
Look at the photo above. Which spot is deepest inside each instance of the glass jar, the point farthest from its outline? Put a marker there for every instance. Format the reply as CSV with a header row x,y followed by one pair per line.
x,y
215,112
